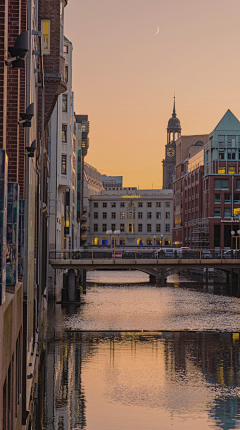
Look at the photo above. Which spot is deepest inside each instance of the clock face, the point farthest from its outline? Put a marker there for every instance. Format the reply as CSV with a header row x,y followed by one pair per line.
x,y
170,152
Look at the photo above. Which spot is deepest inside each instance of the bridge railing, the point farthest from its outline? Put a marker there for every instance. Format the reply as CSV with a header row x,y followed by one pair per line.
x,y
135,254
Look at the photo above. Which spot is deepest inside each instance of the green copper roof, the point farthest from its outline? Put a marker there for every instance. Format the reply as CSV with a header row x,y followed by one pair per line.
x,y
228,123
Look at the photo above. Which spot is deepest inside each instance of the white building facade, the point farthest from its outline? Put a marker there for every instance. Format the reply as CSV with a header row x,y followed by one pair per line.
x,y
62,182
143,217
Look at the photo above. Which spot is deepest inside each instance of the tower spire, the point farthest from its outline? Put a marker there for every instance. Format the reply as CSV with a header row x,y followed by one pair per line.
x,y
174,110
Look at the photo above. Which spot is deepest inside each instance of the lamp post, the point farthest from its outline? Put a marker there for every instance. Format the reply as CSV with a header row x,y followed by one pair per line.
x,y
113,235
161,239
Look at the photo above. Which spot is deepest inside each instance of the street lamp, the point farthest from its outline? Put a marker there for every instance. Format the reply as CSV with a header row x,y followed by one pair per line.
x,y
161,239
113,235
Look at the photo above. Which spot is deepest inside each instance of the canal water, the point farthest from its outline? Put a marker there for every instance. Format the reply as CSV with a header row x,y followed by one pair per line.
x,y
136,356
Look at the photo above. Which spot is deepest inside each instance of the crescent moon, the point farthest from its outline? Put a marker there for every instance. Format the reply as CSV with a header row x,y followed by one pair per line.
x,y
157,31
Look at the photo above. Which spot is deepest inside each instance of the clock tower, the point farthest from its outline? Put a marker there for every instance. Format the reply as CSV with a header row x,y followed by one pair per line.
x,y
173,133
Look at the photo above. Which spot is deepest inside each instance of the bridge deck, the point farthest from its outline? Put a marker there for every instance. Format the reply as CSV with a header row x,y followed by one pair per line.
x,y
138,264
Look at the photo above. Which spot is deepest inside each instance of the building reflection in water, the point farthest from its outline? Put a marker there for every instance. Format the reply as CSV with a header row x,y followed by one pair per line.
x,y
176,373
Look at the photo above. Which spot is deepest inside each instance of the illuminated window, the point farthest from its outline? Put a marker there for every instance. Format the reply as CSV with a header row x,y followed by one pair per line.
x,y
129,215
236,212
46,36
122,215
222,170
232,170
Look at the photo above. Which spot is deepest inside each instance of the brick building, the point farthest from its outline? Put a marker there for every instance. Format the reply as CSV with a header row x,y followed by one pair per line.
x,y
207,191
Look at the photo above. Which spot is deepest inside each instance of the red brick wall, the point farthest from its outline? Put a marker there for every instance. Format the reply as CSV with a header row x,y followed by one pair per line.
x,y
3,70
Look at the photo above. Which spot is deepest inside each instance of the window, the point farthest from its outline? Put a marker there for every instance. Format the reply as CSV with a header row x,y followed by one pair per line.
x,y
221,154
236,212
232,170
113,205
221,140
46,36
121,227
227,213
130,228
64,165
104,227
129,215
236,198
167,228
158,204
122,205
113,227
227,198
167,215
140,228
95,205
158,227
149,228
221,184
167,205
139,205
64,133
65,49
104,205
64,103
66,74
217,212
104,215
122,215
113,215
140,215
231,154
95,215
231,141
238,184
217,198
149,205
149,215
222,170
158,215
95,227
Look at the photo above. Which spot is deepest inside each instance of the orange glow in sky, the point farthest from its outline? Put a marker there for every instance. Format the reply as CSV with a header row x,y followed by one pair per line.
x,y
125,76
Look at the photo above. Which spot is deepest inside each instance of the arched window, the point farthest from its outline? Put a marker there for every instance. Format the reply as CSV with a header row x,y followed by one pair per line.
x,y
95,241
149,241
167,241
158,241
121,241
139,241
104,241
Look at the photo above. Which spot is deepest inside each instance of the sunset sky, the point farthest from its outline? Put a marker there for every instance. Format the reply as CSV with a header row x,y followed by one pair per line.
x,y
125,76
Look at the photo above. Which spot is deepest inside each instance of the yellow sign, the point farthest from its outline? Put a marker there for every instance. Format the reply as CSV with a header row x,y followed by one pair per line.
x,y
131,197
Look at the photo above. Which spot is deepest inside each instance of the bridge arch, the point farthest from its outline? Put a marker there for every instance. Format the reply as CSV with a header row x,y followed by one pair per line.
x,y
139,241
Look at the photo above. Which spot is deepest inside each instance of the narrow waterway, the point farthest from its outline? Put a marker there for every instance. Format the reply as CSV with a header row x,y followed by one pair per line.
x,y
136,356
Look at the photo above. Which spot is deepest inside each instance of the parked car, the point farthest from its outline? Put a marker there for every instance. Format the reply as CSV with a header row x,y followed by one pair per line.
x,y
229,254
205,253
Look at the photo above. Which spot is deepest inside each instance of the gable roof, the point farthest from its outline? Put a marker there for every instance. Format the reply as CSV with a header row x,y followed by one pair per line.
x,y
228,123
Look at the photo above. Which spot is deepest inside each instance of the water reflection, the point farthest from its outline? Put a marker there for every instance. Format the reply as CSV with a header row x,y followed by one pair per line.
x,y
123,378
143,380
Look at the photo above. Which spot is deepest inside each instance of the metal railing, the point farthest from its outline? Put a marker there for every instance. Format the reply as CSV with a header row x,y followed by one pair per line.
x,y
201,254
